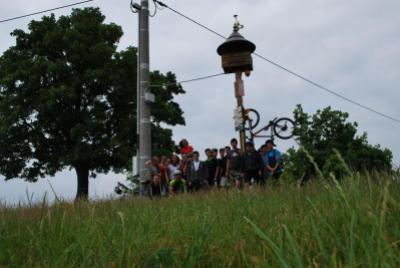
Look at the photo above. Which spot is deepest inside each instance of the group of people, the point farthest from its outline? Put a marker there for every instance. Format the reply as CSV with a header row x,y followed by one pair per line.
x,y
225,167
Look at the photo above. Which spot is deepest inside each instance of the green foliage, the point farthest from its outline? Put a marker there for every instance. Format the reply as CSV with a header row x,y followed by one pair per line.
x,y
335,166
166,111
351,223
329,142
68,99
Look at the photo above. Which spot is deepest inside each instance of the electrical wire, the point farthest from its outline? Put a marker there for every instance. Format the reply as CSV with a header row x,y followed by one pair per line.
x,y
286,69
189,80
158,6
155,10
329,90
132,7
188,18
200,78
44,11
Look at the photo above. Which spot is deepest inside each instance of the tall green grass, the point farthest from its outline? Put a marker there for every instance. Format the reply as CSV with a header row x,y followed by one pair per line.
x,y
353,223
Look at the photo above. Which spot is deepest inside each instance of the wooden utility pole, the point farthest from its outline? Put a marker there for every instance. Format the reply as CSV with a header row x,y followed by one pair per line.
x,y
239,93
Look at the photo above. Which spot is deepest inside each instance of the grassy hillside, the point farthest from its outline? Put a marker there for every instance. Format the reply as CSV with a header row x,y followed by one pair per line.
x,y
354,223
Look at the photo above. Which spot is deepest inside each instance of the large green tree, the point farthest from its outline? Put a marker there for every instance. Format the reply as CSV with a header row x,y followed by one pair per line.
x,y
68,99
330,145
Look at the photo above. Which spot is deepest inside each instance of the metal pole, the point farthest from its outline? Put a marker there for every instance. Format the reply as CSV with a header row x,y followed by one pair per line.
x,y
136,158
144,82
239,92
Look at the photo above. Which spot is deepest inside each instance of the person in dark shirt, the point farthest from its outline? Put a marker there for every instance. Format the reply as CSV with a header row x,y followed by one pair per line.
x,y
252,165
156,187
262,151
196,173
234,168
211,165
222,161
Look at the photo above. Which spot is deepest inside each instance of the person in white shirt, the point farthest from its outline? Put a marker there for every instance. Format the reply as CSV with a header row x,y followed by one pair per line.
x,y
174,165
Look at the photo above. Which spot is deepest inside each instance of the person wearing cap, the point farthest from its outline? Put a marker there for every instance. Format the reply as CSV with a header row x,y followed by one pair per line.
x,y
252,165
272,159
178,184
233,170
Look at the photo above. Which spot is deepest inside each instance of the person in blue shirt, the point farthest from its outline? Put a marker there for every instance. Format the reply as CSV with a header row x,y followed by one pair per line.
x,y
272,158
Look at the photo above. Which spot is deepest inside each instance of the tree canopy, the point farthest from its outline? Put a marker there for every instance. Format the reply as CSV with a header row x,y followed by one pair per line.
x,y
68,99
330,143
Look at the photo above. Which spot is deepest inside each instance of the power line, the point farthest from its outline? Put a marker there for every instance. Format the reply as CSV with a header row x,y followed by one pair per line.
x,y
44,11
329,90
189,80
190,19
287,70
200,78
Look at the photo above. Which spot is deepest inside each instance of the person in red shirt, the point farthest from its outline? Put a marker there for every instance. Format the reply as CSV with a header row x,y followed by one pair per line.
x,y
186,152
185,148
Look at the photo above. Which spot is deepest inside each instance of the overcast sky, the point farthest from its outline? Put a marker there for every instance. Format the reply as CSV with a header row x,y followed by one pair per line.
x,y
351,47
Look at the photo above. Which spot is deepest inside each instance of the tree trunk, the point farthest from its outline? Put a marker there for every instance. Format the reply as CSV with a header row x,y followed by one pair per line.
x,y
82,173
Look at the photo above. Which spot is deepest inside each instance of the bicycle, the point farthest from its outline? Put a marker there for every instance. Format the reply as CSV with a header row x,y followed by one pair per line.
x,y
281,127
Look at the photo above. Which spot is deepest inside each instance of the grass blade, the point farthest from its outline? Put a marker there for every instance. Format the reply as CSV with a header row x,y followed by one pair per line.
x,y
274,247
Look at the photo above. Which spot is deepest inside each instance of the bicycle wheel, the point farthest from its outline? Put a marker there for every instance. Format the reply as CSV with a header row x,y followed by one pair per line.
x,y
283,128
252,118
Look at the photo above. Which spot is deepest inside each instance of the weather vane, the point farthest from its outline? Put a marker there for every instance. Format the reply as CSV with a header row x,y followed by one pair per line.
x,y
237,26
